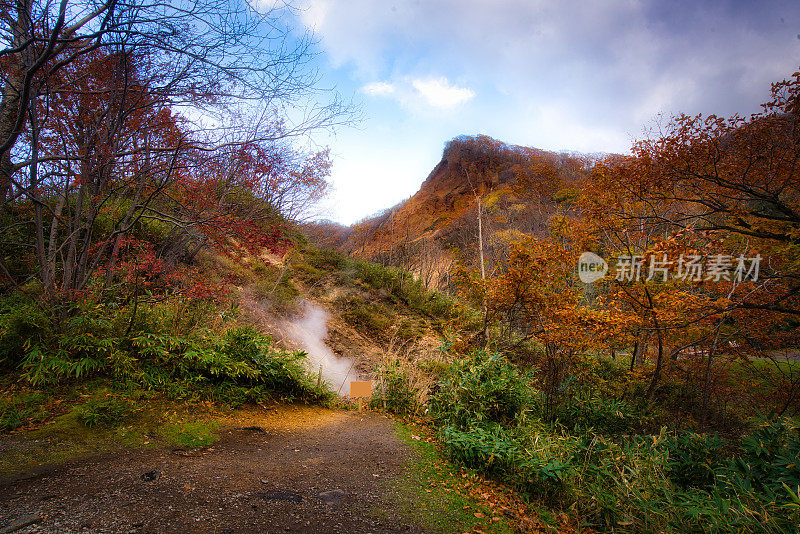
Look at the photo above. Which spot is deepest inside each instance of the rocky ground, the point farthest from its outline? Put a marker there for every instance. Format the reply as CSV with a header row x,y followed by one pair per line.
x,y
327,471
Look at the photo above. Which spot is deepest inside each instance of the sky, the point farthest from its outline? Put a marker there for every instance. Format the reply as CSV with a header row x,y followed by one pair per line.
x,y
574,75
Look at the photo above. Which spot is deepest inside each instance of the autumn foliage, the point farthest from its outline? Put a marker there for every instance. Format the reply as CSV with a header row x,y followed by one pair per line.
x,y
699,229
118,183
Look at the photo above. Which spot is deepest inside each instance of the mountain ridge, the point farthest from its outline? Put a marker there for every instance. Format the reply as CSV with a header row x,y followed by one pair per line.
x,y
519,189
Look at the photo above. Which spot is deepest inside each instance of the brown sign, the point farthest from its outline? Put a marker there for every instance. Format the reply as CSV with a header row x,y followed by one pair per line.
x,y
359,388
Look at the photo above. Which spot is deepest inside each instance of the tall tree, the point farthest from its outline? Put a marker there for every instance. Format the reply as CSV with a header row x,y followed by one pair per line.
x,y
206,55
112,111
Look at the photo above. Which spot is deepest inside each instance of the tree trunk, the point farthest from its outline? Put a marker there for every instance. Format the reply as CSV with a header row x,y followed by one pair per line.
x,y
9,113
480,237
639,350
657,372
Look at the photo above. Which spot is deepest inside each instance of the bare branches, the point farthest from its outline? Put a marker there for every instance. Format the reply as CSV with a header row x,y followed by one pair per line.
x,y
119,112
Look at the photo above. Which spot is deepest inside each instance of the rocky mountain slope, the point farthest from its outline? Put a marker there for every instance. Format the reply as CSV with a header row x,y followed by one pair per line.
x,y
518,188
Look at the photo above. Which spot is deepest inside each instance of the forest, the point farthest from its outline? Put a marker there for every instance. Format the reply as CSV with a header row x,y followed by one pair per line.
x,y
155,188
662,393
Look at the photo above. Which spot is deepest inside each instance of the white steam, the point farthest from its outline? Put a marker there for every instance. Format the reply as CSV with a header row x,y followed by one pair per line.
x,y
309,331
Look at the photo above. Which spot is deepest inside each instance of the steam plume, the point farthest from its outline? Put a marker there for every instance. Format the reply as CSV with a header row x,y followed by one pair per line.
x,y
309,331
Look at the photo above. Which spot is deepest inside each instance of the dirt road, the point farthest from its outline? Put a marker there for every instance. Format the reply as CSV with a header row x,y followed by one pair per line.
x,y
315,470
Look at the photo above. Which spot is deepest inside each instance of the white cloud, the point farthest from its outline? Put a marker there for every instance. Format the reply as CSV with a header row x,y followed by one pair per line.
x,y
421,94
619,62
314,13
378,89
439,93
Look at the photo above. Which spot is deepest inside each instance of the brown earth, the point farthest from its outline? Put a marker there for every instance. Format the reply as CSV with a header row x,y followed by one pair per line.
x,y
300,469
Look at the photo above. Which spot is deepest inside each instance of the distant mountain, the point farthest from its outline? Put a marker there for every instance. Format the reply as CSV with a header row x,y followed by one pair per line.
x,y
519,189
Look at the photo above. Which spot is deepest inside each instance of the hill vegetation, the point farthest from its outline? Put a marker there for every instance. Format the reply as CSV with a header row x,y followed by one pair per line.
x,y
518,188
146,259
662,396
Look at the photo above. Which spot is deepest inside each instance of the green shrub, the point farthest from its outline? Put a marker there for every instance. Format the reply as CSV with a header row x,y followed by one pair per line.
x,y
106,411
410,329
489,448
612,479
21,409
403,286
483,387
247,358
281,293
620,486
442,305
370,316
324,259
694,459
234,395
603,415
308,273
22,324
285,376
399,396
769,461
166,348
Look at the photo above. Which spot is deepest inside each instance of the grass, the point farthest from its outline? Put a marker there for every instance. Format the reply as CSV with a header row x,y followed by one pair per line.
x,y
431,491
778,365
105,411
190,434
17,410
315,266
155,423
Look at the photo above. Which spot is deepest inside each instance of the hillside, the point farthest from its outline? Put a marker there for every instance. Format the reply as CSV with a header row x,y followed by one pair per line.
x,y
625,403
534,341
519,189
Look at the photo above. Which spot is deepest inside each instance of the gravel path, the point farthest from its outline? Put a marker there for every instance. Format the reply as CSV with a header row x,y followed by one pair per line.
x,y
333,474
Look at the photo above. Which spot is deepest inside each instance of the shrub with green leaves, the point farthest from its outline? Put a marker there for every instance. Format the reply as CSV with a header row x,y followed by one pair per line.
x,y
104,411
769,461
23,324
693,460
397,393
20,409
371,317
600,414
615,482
482,388
155,347
490,448
246,358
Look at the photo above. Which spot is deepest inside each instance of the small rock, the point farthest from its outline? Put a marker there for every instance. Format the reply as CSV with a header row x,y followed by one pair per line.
x,y
415,437
150,475
332,496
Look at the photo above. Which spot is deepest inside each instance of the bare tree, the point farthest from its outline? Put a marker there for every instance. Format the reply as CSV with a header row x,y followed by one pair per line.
x,y
106,104
211,58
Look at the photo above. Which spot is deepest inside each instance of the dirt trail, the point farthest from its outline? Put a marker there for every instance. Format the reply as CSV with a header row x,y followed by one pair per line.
x,y
301,470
